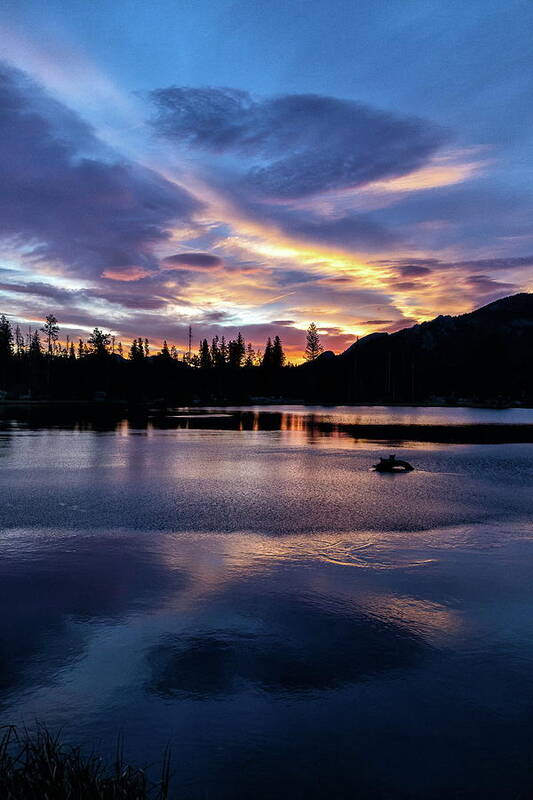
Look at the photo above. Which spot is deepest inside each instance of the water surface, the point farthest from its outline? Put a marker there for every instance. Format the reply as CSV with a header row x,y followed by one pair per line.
x,y
247,589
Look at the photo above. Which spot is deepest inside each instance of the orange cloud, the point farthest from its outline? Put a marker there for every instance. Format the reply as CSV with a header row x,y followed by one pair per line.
x,y
126,274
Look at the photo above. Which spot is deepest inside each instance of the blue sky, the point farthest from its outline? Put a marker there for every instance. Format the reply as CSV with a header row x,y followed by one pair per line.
x,y
351,141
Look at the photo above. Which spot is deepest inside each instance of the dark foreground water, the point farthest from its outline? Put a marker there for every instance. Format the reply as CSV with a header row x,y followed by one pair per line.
x,y
241,586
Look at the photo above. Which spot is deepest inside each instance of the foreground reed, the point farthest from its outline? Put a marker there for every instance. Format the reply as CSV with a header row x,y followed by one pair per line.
x,y
36,765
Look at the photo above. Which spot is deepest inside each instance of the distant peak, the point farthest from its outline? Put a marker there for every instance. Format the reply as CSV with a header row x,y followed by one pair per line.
x,y
516,303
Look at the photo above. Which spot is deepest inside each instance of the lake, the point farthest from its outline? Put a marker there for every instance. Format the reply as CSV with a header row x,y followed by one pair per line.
x,y
239,584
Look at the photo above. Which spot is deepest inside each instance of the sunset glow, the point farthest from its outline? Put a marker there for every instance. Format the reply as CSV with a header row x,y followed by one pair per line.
x,y
297,203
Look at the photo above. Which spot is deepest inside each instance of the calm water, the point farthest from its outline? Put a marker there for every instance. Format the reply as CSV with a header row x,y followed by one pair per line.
x,y
243,587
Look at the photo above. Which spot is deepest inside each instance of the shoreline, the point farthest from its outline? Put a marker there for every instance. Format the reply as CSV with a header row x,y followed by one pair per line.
x,y
125,405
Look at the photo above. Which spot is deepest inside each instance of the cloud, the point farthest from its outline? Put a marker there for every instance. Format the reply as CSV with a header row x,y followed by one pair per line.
x,y
414,271
286,183
193,260
420,267
483,285
343,232
495,263
42,290
482,217
149,293
275,159
293,146
66,199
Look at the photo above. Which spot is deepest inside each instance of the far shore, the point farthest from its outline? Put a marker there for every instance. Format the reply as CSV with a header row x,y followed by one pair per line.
x,y
161,405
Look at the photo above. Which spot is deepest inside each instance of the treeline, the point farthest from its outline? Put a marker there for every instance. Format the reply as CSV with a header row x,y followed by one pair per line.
x,y
218,353
485,356
36,364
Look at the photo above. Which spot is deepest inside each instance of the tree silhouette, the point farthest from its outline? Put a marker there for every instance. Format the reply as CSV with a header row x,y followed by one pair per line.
x,y
165,352
267,355
99,342
137,350
6,339
51,331
205,356
215,354
236,351
250,356
35,345
313,348
278,356
19,341
223,352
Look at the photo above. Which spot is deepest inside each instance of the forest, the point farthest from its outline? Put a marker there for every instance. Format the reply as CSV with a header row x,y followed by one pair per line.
x,y
38,365
482,357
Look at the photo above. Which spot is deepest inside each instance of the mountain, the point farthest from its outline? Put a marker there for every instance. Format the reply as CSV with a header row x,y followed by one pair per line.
x,y
485,355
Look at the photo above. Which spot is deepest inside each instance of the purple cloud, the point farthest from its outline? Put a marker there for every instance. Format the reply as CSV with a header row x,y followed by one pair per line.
x,y
480,213
485,285
69,198
346,231
267,155
419,267
414,271
293,146
194,260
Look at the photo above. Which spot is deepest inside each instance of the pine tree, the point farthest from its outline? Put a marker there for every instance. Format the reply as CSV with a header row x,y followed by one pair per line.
x,y
146,348
81,348
313,348
278,356
223,352
35,345
19,341
164,350
267,355
205,356
241,349
236,351
6,339
99,342
215,358
137,349
51,331
250,356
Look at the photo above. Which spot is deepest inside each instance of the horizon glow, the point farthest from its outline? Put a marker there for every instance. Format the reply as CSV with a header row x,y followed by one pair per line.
x,y
365,166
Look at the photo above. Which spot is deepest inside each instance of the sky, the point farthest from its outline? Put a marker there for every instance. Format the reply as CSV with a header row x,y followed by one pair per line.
x,y
250,166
